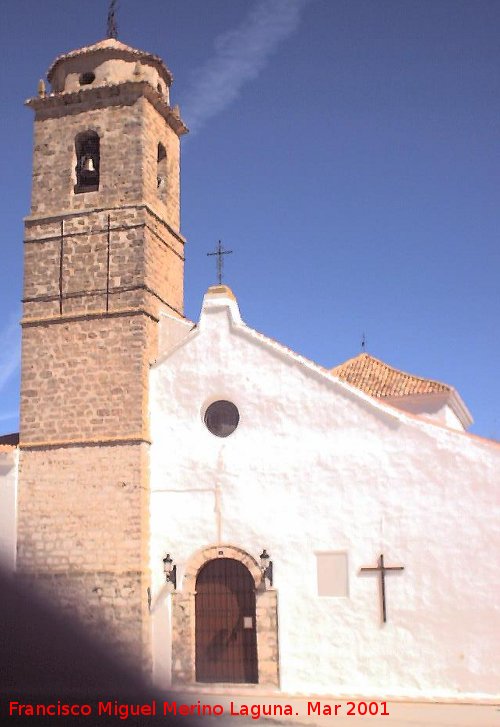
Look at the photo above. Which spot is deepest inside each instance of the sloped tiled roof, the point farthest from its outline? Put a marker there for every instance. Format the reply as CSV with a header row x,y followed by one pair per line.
x,y
378,379
9,442
11,439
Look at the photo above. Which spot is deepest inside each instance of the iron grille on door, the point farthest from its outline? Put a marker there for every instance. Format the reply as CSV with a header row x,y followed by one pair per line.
x,y
226,641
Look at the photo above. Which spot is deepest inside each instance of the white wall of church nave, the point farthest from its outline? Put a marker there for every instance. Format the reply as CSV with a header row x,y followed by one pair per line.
x,y
8,521
313,467
432,406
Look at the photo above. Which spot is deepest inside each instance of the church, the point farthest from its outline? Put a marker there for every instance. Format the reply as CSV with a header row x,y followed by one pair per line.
x,y
218,508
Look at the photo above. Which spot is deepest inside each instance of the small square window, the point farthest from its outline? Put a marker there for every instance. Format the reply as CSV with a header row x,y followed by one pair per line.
x,y
332,574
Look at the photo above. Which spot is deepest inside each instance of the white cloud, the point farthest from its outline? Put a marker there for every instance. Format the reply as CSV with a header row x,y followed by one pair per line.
x,y
240,55
10,351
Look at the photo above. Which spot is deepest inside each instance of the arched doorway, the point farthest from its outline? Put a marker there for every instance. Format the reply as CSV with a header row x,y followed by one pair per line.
x,y
225,626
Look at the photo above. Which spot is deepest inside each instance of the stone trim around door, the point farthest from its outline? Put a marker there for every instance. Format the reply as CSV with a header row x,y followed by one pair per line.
x,y
183,619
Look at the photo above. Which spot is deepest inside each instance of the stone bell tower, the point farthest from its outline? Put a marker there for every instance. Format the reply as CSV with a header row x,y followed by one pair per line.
x,y
103,257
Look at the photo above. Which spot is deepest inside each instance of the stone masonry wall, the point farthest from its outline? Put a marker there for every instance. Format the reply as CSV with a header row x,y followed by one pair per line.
x,y
129,130
82,532
54,157
85,380
157,131
76,263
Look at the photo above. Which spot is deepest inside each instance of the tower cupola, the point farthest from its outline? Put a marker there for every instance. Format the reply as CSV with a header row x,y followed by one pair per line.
x,y
108,62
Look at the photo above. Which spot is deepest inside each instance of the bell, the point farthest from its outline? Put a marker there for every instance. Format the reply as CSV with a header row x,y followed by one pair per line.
x,y
88,165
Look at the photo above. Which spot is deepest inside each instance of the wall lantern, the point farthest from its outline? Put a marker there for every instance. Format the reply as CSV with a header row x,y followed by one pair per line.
x,y
170,570
266,566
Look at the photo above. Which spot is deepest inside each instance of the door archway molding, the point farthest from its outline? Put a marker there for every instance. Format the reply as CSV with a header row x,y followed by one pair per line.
x,y
198,560
183,618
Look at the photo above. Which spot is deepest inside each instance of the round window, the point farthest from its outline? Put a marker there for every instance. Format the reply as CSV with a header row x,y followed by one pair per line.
x,y
87,78
221,418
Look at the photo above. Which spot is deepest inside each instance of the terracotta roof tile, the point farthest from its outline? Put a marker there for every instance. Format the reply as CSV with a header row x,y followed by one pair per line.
x,y
378,379
10,439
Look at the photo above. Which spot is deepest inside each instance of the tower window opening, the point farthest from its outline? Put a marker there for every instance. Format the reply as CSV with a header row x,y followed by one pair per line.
x,y
87,78
87,162
161,173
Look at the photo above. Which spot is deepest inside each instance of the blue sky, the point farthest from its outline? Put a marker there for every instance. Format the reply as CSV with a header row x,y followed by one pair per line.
x,y
347,151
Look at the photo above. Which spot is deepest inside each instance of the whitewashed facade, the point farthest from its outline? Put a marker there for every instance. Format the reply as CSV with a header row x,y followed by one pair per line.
x,y
9,458
317,467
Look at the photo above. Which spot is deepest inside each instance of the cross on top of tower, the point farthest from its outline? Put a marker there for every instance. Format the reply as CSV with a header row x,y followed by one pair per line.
x,y
219,251
112,29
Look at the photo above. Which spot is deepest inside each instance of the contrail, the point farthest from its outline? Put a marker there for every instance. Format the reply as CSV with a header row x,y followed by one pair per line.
x,y
240,55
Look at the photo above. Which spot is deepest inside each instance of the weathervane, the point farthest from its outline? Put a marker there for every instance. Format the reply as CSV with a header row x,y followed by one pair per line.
x,y
219,252
112,26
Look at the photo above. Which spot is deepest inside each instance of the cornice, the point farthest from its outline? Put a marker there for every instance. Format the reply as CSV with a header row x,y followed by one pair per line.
x,y
110,95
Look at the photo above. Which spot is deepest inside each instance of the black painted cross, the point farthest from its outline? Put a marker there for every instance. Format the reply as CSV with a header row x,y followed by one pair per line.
x,y
382,569
219,252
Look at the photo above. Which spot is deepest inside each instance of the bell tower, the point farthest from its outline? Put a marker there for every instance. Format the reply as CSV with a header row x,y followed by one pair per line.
x,y
103,256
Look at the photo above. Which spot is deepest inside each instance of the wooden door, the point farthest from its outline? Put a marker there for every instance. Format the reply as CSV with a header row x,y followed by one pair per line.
x,y
226,639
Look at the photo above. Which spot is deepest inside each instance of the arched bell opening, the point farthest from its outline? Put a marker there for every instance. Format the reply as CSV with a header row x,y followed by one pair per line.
x,y
161,173
87,148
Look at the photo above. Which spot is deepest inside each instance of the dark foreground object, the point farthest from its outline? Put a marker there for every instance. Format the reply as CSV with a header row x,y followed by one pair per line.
x,y
47,660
